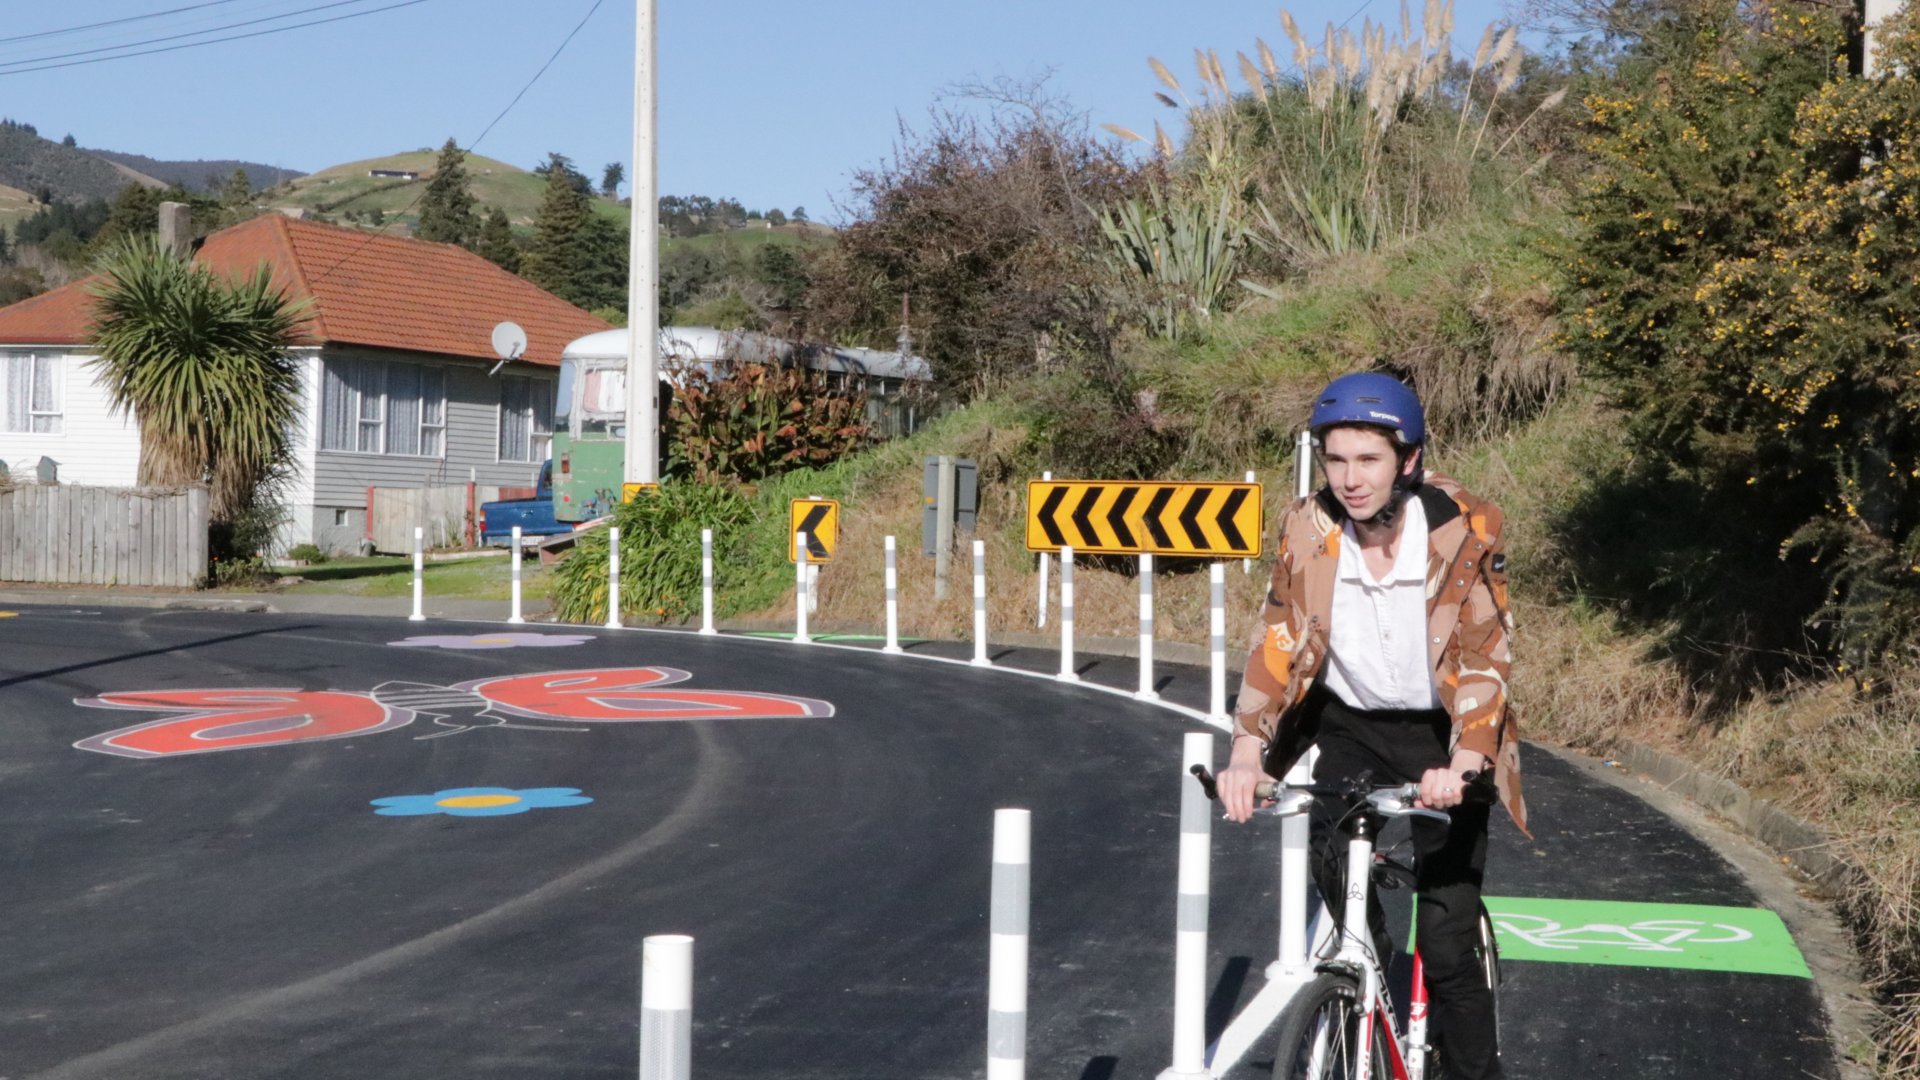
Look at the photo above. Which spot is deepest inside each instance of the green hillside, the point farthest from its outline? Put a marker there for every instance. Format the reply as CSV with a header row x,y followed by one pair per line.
x,y
347,188
30,162
15,206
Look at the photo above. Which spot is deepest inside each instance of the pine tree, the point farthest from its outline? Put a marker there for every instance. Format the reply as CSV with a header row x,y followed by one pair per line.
x,y
496,243
555,260
237,191
446,211
136,211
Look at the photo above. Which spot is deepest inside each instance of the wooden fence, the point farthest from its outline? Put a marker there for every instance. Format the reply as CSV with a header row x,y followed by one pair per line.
x,y
447,513
62,534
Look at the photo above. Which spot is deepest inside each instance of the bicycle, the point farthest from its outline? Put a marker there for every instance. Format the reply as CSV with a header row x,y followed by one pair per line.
x,y
1341,1026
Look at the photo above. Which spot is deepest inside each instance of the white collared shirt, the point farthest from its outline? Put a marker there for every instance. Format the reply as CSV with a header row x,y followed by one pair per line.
x,y
1377,655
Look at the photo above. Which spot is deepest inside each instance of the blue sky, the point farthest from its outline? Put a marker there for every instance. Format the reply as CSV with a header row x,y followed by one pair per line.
x,y
773,104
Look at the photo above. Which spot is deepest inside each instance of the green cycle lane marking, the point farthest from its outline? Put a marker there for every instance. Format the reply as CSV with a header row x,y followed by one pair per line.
x,y
1697,937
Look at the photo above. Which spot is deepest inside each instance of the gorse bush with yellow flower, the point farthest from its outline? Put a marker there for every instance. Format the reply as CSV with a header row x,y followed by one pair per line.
x,y
1745,287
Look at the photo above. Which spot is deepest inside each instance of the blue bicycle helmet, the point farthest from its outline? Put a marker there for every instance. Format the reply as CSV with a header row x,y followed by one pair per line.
x,y
1369,397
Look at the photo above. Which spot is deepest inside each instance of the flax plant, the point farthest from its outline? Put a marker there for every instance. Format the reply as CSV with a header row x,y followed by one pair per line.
x,y
202,366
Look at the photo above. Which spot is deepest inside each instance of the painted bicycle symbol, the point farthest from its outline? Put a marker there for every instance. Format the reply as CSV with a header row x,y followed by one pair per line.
x,y
1647,935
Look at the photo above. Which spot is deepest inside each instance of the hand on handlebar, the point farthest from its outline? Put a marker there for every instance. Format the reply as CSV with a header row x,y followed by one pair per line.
x,y
1237,781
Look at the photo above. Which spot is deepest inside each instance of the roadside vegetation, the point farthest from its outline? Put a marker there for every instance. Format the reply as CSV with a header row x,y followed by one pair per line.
x,y
1656,290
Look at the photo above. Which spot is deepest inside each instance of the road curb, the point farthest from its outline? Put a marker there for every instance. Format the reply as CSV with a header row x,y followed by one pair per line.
x,y
1756,838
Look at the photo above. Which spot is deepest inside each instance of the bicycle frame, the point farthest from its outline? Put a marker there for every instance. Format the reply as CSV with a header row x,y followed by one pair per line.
x,y
1406,1057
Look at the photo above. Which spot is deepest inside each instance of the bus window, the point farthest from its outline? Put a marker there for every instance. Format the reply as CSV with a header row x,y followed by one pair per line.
x,y
563,397
603,401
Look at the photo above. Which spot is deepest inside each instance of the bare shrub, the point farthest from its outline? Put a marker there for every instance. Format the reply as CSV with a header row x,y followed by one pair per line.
x,y
983,227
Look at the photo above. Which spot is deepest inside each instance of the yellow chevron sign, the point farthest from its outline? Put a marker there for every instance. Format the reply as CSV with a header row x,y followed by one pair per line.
x,y
820,520
1131,517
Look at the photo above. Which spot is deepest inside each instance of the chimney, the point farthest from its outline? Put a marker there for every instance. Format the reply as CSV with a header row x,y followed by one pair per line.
x,y
176,228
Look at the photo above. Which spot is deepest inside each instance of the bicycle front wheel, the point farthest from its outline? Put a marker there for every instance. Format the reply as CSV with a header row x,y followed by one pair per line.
x,y
1320,1034
1489,951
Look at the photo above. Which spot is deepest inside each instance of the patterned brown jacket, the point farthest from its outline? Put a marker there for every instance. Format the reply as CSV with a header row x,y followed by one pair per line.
x,y
1468,623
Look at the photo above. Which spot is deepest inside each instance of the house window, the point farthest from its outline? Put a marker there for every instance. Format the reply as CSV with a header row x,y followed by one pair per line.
x,y
375,407
526,418
30,397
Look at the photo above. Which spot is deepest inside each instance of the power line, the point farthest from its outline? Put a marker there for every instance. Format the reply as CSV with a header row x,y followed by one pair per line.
x,y
177,37
113,22
542,71
216,41
357,248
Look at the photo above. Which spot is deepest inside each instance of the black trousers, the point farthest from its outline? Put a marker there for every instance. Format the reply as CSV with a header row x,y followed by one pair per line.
x,y
1395,747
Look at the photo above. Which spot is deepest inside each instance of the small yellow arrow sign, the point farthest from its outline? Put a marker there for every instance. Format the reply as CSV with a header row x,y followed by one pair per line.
x,y
1131,517
820,520
629,491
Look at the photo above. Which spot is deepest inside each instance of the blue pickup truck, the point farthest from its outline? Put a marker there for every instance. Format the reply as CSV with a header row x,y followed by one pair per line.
x,y
534,516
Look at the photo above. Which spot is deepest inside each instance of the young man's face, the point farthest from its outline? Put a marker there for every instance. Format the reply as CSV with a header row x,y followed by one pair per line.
x,y
1361,466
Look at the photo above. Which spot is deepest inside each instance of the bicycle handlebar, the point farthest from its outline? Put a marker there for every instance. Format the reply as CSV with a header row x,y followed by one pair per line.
x,y
1479,790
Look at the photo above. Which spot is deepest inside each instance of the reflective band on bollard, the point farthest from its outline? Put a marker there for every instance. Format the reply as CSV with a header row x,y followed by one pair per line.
x,y
893,602
514,617
1067,674
1145,693
706,582
800,589
1190,929
419,572
1007,953
666,1007
613,577
980,605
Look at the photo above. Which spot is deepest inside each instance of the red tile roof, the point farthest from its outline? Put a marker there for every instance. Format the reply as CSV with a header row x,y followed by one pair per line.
x,y
366,289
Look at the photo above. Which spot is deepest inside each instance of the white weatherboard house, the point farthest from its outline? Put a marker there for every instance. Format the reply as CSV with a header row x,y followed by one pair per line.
x,y
400,386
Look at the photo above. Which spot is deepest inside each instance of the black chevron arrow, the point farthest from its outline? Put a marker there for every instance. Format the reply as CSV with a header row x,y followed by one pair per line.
x,y
1228,511
1154,509
1116,517
1047,522
1190,517
810,525
1083,516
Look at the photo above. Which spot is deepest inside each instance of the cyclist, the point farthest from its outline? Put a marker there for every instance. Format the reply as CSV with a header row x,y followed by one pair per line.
x,y
1384,641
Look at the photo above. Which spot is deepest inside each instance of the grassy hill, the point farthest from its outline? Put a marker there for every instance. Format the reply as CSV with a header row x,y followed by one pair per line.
x,y
29,162
347,188
15,206
194,175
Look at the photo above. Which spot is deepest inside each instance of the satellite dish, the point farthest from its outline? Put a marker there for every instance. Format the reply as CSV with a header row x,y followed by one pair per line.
x,y
509,341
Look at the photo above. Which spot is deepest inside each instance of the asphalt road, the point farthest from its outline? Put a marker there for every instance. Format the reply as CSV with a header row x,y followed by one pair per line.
x,y
220,897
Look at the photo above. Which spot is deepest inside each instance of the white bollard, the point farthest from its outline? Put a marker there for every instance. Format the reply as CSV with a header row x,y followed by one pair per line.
x,y
419,574
1294,836
1246,565
514,617
1007,951
1217,642
980,605
800,589
613,577
1041,618
1067,674
666,1007
893,602
1190,927
706,582
1146,693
